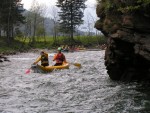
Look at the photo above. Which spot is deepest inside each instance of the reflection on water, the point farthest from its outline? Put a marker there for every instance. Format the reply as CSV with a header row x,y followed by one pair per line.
x,y
85,90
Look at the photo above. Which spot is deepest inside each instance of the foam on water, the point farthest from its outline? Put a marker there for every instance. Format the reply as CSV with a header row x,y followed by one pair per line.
x,y
85,90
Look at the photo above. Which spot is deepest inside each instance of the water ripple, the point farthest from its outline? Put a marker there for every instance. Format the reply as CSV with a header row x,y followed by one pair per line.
x,y
85,90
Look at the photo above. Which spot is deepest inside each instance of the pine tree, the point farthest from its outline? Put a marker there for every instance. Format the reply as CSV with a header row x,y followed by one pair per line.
x,y
71,15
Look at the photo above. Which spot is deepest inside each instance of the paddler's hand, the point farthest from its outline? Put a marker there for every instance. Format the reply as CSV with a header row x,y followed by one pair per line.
x,y
34,63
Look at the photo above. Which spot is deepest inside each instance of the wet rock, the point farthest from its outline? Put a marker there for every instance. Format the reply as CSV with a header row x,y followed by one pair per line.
x,y
127,55
6,60
3,58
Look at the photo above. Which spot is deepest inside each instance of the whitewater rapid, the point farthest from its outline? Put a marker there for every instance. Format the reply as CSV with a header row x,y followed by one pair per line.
x,y
85,90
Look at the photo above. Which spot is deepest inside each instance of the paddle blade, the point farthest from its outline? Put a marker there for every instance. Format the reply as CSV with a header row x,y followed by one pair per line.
x,y
27,71
77,64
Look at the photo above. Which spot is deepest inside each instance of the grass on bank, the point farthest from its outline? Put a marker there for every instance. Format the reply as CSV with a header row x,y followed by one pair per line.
x,y
14,46
48,42
22,44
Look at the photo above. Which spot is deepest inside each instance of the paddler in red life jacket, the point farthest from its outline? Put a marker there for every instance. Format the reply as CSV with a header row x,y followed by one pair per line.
x,y
43,58
59,57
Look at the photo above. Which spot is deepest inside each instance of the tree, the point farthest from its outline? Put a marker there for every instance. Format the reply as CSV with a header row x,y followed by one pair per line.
x,y
10,15
71,15
55,17
37,19
43,14
28,25
35,12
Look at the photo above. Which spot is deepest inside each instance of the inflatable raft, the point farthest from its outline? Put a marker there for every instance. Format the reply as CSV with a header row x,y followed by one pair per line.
x,y
40,69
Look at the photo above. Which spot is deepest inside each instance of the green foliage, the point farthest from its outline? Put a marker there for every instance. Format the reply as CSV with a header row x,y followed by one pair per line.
x,y
14,47
35,22
18,33
71,15
91,41
124,6
129,8
9,9
108,6
133,6
144,2
10,15
19,44
79,40
40,31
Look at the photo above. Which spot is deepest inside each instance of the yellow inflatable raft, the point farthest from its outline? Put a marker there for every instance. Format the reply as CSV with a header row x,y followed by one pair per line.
x,y
39,68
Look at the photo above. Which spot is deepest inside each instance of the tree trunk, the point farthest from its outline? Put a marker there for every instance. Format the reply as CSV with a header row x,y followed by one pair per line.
x,y
0,32
34,28
12,33
72,29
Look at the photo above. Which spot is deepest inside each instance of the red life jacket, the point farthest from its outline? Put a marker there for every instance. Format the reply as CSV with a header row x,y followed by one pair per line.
x,y
60,58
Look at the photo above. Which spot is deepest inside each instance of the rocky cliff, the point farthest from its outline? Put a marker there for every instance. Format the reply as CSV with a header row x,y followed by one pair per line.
x,y
126,25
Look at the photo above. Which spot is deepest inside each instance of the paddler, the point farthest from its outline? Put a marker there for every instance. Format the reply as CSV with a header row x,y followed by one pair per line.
x,y
43,58
59,57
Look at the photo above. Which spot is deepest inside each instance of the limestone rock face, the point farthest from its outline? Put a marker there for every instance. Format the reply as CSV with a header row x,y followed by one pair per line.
x,y
126,25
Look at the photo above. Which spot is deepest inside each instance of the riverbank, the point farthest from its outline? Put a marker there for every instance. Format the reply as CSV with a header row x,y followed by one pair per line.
x,y
23,46
18,48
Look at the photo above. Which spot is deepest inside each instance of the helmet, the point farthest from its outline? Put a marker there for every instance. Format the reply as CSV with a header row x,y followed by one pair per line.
x,y
59,49
42,52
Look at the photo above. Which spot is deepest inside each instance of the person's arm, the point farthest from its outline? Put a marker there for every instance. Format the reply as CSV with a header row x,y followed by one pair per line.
x,y
54,58
37,60
64,59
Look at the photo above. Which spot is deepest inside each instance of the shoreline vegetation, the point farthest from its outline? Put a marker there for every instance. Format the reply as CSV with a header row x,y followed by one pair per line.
x,y
25,44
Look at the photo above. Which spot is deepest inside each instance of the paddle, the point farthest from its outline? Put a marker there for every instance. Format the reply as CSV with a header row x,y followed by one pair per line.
x,y
27,71
76,64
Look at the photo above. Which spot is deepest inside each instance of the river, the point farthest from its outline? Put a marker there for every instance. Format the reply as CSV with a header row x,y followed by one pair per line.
x,y
85,90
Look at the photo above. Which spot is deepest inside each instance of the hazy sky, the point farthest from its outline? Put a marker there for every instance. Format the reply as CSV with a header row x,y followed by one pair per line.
x,y
27,3
89,13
